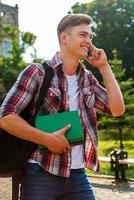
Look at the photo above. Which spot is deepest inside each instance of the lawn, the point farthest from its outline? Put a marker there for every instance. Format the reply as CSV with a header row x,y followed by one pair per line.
x,y
105,148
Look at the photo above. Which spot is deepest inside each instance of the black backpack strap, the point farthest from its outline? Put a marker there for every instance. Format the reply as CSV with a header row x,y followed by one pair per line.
x,y
15,187
49,73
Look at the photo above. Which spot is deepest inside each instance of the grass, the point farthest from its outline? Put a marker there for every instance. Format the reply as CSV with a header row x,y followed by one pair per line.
x,y
105,148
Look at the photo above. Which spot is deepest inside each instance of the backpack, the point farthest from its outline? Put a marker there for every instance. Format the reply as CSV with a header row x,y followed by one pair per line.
x,y
14,152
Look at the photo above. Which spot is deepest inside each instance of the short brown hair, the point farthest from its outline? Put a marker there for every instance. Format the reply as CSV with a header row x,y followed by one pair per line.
x,y
72,20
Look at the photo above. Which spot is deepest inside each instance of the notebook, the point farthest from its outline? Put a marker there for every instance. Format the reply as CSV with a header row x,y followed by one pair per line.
x,y
53,122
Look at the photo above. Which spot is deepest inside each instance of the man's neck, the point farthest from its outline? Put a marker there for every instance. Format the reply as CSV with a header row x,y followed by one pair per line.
x,y
70,63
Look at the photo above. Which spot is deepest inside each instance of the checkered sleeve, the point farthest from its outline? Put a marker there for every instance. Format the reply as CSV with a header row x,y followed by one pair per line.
x,y
101,102
22,91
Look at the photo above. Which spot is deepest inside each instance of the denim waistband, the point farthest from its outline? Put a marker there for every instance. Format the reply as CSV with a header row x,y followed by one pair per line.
x,y
77,171
37,167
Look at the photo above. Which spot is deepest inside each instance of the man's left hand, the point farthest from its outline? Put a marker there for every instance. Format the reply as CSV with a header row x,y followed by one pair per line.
x,y
98,58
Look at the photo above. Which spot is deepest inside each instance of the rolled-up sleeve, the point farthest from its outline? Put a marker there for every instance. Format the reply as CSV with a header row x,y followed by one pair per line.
x,y
22,91
101,101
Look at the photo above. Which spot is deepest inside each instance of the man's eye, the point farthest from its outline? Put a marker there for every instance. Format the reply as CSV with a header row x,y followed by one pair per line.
x,y
83,35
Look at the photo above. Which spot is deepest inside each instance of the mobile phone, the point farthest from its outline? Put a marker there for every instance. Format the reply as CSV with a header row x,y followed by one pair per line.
x,y
89,53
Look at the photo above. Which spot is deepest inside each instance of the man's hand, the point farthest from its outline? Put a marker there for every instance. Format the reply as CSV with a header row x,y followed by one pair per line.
x,y
57,143
98,57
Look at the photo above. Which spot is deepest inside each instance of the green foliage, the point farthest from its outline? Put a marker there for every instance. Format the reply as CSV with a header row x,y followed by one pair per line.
x,y
28,38
105,148
120,127
10,66
114,28
105,170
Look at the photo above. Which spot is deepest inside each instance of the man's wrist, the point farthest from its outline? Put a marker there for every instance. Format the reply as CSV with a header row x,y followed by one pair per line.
x,y
103,69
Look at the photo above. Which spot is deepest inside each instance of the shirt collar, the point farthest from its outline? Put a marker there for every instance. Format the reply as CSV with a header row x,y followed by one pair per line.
x,y
56,62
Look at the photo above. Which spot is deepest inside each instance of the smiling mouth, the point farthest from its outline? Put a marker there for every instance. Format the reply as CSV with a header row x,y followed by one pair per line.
x,y
85,49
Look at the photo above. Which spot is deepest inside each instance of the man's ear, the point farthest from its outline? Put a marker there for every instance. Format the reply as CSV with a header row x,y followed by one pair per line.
x,y
63,37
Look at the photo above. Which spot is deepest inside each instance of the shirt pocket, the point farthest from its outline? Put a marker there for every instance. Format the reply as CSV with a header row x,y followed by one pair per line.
x,y
89,97
52,101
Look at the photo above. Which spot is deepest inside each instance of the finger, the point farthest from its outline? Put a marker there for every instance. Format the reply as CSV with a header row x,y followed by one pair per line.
x,y
90,50
66,150
65,129
95,52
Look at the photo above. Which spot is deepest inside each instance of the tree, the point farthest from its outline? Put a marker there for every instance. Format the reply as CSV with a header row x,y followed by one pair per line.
x,y
10,66
115,27
121,127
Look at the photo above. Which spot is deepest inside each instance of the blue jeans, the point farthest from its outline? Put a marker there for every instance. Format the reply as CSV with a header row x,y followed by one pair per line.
x,y
38,184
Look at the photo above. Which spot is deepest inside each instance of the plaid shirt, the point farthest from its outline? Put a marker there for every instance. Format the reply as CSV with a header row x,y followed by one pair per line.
x,y
92,96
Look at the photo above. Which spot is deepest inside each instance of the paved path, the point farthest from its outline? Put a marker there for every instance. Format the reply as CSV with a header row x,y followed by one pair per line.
x,y
104,189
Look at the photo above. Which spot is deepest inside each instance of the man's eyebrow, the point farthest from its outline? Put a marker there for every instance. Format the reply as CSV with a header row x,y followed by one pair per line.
x,y
84,32
87,33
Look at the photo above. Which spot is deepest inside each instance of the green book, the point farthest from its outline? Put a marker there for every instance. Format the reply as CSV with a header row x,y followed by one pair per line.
x,y
53,122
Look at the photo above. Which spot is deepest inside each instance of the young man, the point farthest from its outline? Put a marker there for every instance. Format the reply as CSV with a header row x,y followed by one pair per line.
x,y
59,174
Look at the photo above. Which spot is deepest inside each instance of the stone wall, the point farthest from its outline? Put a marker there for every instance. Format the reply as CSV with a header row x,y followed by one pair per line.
x,y
8,16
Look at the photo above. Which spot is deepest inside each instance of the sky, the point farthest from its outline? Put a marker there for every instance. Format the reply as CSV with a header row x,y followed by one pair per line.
x,y
41,18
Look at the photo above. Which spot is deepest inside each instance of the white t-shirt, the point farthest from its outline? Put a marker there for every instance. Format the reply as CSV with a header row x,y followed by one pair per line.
x,y
73,100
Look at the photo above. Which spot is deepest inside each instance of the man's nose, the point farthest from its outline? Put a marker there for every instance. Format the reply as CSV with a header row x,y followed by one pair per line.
x,y
88,40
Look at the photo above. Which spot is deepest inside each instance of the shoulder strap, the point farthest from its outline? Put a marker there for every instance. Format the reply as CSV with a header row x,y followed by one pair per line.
x,y
49,73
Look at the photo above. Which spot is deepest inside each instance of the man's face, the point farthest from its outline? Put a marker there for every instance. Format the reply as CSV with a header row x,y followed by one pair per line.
x,y
79,41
